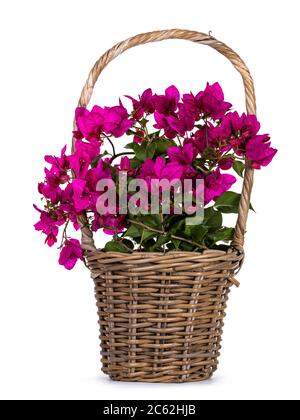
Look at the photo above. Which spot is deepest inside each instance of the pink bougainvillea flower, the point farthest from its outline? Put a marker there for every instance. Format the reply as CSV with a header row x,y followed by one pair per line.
x,y
84,154
162,123
212,101
116,120
70,253
184,122
60,164
125,164
226,163
51,187
139,137
209,102
216,184
183,156
169,171
67,205
110,223
259,151
48,224
159,169
167,104
90,124
89,150
114,224
50,191
199,140
239,129
101,171
81,196
249,126
192,103
210,140
144,104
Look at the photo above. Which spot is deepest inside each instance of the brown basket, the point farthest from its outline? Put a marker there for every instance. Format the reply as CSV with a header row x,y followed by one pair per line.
x,y
161,315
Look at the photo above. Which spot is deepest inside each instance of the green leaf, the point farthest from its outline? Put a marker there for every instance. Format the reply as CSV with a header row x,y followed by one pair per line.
x,y
115,246
130,146
178,227
147,234
163,144
212,218
162,240
134,231
186,246
134,163
150,150
228,202
144,122
151,220
239,167
224,234
140,152
197,233
128,243
176,243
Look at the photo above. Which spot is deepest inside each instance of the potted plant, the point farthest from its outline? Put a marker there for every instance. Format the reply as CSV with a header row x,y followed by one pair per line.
x,y
163,277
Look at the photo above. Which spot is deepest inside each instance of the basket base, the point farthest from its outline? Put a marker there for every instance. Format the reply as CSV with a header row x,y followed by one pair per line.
x,y
165,379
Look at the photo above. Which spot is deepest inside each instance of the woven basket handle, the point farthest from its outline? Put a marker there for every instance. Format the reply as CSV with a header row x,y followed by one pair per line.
x,y
200,38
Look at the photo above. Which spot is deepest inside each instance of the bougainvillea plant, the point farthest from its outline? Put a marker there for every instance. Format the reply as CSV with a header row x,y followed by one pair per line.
x,y
171,137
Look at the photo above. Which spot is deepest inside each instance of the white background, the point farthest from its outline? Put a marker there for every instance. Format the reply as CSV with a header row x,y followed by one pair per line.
x,y
48,323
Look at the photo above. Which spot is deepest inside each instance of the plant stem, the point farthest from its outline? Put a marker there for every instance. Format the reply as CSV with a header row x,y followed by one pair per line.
x,y
121,154
111,143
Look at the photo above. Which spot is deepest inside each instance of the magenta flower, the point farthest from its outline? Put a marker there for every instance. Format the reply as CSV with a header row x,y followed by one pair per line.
x,y
212,101
207,139
116,120
159,169
162,123
144,104
50,189
209,102
139,137
167,104
84,154
81,196
183,157
90,123
67,205
216,184
111,224
114,224
48,224
226,164
101,171
70,253
259,151
60,165
125,164
184,122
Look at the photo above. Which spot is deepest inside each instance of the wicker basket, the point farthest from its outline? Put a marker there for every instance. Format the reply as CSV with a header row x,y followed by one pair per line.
x,y
161,315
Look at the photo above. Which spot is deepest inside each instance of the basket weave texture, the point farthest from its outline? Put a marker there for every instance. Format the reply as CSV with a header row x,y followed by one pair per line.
x,y
161,315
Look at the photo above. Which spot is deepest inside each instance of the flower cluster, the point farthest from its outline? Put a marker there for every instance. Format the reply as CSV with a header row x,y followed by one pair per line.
x,y
172,136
